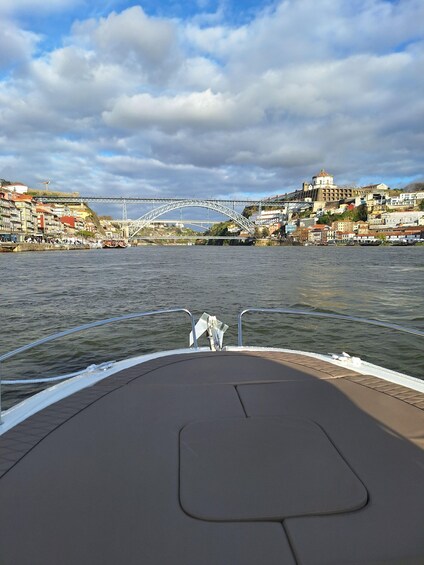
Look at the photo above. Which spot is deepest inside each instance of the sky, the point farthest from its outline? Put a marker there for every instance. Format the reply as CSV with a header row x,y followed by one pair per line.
x,y
210,98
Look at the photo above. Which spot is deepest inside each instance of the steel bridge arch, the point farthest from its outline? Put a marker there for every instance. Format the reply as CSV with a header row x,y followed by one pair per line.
x,y
148,218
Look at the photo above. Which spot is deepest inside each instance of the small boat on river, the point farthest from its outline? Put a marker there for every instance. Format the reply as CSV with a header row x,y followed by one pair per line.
x,y
370,243
109,244
222,455
114,244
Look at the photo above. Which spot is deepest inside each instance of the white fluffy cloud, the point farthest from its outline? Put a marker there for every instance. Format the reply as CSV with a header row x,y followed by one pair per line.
x,y
252,109
196,110
17,45
132,38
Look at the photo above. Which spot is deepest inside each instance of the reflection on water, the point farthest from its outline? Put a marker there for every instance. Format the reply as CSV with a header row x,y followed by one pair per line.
x,y
43,293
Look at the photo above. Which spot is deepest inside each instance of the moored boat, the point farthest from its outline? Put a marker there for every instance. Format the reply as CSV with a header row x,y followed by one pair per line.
x,y
403,242
370,243
109,244
114,244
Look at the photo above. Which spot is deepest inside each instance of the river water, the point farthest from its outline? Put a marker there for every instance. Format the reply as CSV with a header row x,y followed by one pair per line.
x,y
43,293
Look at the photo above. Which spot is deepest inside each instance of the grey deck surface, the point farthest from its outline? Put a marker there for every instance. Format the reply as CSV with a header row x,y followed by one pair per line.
x,y
218,458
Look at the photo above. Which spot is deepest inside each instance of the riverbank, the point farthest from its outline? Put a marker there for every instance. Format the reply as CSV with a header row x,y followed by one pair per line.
x,y
8,247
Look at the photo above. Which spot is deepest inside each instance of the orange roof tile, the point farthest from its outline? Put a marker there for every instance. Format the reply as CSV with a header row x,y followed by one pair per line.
x,y
323,173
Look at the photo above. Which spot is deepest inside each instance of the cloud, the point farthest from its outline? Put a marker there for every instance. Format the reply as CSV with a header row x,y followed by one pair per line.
x,y
218,40
74,83
17,45
132,38
197,74
195,110
204,105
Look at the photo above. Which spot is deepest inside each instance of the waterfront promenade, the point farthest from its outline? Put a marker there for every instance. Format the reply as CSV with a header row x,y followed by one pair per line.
x,y
10,247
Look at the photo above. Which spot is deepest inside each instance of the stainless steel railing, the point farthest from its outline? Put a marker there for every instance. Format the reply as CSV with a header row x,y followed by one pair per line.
x,y
292,311
94,325
287,311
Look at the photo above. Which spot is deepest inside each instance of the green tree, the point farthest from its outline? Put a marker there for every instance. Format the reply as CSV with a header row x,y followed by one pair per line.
x,y
85,234
249,210
360,214
220,229
326,219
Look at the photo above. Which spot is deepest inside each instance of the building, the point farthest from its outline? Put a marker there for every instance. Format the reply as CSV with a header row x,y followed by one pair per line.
x,y
271,219
5,206
318,234
393,219
393,235
48,221
15,220
406,199
307,222
344,236
17,187
322,189
371,188
72,225
361,228
267,217
290,229
300,235
321,180
28,213
79,211
343,226
374,195
21,216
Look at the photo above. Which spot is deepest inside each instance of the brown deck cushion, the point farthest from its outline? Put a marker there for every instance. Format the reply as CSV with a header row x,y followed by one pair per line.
x,y
102,489
95,479
263,469
371,430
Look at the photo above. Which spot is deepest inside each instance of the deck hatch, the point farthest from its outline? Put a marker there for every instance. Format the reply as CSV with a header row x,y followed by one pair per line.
x,y
263,469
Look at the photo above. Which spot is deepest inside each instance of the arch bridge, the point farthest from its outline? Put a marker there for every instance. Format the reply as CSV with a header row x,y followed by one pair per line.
x,y
151,216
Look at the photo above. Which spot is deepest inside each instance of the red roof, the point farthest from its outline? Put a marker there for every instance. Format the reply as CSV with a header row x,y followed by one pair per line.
x,y
320,227
21,197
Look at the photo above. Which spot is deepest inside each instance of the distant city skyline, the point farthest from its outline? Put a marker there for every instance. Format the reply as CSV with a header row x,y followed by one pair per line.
x,y
210,98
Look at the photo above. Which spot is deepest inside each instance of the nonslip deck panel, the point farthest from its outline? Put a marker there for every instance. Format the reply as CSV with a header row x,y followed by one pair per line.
x,y
252,469
212,368
97,476
391,526
103,489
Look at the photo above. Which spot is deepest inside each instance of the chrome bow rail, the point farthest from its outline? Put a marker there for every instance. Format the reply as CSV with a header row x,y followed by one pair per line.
x,y
94,325
292,311
287,311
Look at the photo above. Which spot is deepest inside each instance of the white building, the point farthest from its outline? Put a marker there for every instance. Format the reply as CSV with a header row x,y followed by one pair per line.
x,y
406,199
268,217
321,180
393,219
17,187
374,187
